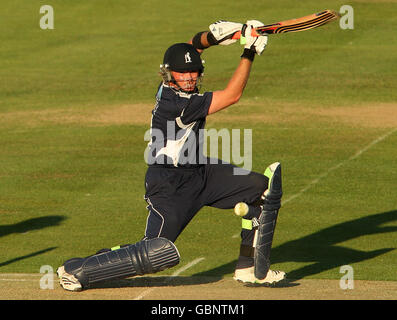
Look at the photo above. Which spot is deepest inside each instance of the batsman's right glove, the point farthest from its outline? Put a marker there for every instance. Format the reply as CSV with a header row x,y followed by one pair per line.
x,y
256,44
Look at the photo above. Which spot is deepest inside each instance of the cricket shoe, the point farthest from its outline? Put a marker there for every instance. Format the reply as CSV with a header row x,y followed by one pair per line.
x,y
247,276
68,281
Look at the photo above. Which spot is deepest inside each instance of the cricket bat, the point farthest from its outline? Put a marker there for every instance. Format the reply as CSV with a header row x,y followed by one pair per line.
x,y
294,25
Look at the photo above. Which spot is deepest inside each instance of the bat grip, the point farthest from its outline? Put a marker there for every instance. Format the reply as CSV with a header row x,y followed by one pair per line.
x,y
237,35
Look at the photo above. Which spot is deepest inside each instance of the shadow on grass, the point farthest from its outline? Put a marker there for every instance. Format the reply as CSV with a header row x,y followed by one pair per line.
x,y
2,264
26,226
30,225
321,247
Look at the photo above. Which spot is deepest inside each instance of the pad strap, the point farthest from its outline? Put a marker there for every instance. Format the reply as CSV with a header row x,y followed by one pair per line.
x,y
249,224
246,224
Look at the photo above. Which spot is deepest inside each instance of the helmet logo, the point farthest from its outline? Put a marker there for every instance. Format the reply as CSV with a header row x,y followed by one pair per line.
x,y
188,59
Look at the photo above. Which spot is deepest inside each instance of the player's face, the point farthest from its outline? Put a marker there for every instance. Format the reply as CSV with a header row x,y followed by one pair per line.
x,y
186,80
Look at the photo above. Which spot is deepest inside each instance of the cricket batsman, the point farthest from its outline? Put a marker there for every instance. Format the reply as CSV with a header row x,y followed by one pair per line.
x,y
180,180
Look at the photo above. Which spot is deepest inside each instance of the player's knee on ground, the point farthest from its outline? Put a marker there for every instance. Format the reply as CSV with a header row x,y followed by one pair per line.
x,y
143,257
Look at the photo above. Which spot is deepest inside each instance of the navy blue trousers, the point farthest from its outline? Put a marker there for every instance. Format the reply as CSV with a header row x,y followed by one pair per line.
x,y
175,195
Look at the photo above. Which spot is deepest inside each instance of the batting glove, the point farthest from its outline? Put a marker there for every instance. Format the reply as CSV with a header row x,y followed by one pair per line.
x,y
223,31
256,44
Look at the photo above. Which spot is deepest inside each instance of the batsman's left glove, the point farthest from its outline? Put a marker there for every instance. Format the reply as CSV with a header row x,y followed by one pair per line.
x,y
223,31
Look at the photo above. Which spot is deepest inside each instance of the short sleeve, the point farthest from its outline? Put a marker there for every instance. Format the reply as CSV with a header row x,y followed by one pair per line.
x,y
197,107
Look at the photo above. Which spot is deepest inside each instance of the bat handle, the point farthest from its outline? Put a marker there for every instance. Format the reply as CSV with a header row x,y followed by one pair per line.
x,y
237,35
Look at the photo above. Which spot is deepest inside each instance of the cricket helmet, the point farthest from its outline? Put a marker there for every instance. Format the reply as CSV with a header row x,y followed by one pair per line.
x,y
183,57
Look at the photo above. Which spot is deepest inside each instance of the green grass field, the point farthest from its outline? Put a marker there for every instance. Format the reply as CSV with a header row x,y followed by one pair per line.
x,y
75,104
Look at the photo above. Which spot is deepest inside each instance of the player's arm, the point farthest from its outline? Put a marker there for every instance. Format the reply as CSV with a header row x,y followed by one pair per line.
x,y
232,93
235,87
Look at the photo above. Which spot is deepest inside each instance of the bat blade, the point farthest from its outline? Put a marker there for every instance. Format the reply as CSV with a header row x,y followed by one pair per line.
x,y
300,24
295,25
